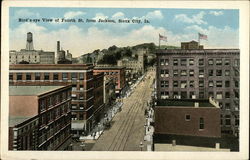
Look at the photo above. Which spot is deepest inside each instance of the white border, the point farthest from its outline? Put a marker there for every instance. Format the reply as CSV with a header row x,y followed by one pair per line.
x,y
243,6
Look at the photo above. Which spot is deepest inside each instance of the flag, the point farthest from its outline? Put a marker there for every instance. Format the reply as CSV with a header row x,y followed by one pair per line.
x,y
202,36
164,38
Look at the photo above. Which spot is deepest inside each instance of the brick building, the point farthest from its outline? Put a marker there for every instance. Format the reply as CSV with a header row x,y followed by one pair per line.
x,y
80,76
202,73
116,73
188,117
39,117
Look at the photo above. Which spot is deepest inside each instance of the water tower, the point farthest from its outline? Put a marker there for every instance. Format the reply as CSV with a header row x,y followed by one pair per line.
x,y
29,44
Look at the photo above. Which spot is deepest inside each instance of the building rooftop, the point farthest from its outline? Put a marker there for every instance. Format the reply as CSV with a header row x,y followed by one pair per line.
x,y
30,90
15,120
108,68
196,51
185,103
51,67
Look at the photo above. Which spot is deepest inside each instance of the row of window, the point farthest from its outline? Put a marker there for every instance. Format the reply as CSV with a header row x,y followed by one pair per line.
x,y
228,121
191,84
47,76
191,73
192,95
52,100
53,114
201,62
201,121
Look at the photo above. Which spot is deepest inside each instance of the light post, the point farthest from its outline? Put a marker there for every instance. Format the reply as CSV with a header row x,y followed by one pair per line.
x,y
141,145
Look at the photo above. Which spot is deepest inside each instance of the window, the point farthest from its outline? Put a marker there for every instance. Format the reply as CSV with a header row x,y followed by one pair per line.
x,y
191,62
37,76
81,106
28,76
191,84
176,95
218,83
175,62
164,95
227,95
183,84
227,62
202,124
218,61
183,72
218,95
73,76
218,72
164,84
237,121
74,106
11,77
210,84
227,106
81,96
201,95
164,73
183,62
236,84
211,94
236,73
55,76
74,87
201,73
227,72
46,76
81,77
201,62
210,72
164,62
228,120
236,62
201,83
64,76
227,83
236,94
80,116
210,62
191,73
187,117
175,73
192,95
175,84
81,87
184,95
19,76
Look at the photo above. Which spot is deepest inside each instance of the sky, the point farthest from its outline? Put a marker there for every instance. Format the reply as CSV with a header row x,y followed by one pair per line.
x,y
179,25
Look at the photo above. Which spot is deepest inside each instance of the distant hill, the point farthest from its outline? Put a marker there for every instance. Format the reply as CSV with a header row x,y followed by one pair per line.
x,y
114,53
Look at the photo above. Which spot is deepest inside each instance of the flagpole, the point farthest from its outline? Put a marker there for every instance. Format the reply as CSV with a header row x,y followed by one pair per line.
x,y
198,40
159,43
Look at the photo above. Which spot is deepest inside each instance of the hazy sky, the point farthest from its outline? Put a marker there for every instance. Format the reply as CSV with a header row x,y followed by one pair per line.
x,y
221,27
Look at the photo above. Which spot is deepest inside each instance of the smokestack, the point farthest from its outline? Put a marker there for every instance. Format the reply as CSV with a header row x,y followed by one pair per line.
x,y
58,46
29,44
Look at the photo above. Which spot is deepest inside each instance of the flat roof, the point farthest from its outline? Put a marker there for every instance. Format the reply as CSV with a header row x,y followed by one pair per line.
x,y
196,51
184,103
30,90
109,68
15,120
51,67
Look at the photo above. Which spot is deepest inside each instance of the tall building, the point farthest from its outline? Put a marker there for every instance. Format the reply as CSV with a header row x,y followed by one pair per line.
x,y
115,73
30,55
80,76
202,73
39,117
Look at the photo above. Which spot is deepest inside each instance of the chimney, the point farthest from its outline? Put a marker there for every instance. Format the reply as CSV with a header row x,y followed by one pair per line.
x,y
58,46
29,44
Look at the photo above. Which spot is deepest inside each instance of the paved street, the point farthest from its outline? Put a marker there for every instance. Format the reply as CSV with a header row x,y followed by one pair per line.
x,y
127,130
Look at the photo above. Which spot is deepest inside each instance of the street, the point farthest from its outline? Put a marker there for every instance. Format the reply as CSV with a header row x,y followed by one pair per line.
x,y
127,127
